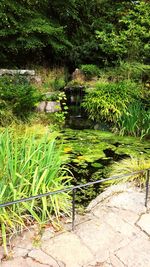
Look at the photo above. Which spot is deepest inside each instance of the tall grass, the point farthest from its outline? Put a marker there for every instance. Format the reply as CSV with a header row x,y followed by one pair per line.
x,y
131,165
135,122
128,166
30,166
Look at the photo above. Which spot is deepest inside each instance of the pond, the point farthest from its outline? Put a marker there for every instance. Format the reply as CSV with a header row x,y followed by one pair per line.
x,y
91,153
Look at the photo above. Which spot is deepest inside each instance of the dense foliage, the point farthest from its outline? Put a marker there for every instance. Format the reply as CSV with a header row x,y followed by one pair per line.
x,y
17,98
107,101
98,31
121,105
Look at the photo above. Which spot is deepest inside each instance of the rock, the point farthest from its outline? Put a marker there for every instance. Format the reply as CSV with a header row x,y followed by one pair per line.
x,y
52,106
132,201
37,80
48,106
17,72
144,223
109,192
41,107
78,75
96,126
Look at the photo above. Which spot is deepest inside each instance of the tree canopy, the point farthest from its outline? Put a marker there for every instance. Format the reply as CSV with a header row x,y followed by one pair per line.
x,y
73,31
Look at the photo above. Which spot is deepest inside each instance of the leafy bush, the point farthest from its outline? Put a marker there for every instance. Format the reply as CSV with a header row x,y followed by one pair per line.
x,y
58,83
17,95
108,101
30,165
133,70
128,37
90,70
124,70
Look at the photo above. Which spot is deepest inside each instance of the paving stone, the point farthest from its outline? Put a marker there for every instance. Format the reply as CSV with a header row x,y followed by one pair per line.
x,y
122,221
20,252
98,264
25,240
114,261
68,249
99,238
48,233
120,226
128,216
21,262
1,253
32,263
43,258
109,192
144,223
132,201
17,262
100,211
135,254
110,235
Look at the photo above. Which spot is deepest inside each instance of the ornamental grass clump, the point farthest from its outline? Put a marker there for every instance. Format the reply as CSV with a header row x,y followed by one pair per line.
x,y
108,101
128,166
30,166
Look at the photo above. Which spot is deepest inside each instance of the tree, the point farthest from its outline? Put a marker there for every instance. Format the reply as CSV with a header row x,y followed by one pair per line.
x,y
26,29
128,37
73,31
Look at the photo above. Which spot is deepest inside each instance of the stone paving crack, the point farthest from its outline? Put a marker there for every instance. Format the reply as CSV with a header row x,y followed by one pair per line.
x,y
54,259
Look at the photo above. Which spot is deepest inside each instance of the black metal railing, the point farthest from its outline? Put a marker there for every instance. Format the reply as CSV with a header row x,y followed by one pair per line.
x,y
74,189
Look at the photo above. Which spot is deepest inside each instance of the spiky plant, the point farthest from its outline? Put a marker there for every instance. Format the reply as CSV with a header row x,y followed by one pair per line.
x,y
130,165
30,165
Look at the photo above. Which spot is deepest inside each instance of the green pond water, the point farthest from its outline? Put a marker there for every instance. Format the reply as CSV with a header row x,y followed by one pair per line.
x,y
91,153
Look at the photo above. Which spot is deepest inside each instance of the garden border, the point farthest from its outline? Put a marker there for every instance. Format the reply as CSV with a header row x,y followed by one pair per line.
x,y
74,188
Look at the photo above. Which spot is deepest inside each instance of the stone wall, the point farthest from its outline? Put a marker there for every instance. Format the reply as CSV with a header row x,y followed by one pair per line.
x,y
17,72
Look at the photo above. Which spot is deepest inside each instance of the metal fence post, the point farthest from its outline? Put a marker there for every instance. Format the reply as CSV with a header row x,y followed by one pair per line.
x,y
73,207
147,186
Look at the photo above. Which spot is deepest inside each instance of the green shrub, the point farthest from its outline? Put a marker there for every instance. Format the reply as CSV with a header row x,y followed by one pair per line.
x,y
90,70
30,165
132,70
6,115
18,94
125,70
53,84
108,101
57,84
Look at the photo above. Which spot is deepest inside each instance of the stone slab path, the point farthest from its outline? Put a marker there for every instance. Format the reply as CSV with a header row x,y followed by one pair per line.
x,y
114,232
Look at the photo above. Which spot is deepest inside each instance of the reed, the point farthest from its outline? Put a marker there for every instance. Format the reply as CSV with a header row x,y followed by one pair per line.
x,y
30,166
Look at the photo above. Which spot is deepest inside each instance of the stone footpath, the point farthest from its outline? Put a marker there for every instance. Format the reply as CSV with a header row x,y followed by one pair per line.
x,y
114,232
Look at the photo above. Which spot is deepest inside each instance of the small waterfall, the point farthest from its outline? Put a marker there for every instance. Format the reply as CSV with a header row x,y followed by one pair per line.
x,y
77,118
